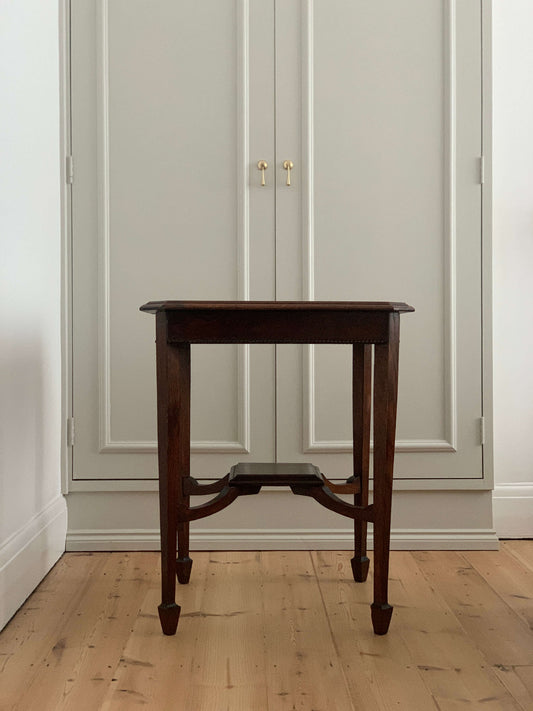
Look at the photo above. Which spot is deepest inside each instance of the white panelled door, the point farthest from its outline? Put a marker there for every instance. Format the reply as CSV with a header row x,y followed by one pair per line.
x,y
385,204
167,201
378,107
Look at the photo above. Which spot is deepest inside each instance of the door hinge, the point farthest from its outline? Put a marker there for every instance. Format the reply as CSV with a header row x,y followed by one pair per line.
x,y
482,429
70,432
481,170
69,169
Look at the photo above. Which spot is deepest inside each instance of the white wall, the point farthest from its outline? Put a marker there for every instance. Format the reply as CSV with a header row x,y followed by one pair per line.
x,y
32,510
513,266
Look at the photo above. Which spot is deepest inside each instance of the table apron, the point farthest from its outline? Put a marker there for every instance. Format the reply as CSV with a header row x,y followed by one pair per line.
x,y
277,327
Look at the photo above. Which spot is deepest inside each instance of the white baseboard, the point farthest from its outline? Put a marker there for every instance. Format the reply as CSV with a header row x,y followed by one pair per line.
x,y
282,539
513,510
28,555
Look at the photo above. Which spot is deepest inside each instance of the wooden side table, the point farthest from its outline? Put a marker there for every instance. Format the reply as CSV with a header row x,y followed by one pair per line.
x,y
368,326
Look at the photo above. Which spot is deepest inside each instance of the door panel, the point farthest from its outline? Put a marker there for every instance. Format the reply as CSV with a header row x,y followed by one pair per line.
x,y
378,105
166,204
391,210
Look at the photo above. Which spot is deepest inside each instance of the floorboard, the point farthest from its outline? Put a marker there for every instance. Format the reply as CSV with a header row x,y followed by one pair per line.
x,y
275,631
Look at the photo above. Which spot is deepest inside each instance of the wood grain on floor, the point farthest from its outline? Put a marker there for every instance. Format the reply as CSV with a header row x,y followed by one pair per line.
x,y
275,631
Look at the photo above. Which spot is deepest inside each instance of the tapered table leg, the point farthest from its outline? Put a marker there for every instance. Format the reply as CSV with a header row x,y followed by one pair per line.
x,y
183,562
361,403
173,425
385,394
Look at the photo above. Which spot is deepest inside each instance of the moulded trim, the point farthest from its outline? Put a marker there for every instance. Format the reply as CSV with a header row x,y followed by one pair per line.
x,y
283,539
106,442
449,443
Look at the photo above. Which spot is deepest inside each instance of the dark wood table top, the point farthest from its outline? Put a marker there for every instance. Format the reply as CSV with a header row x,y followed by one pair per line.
x,y
340,306
276,321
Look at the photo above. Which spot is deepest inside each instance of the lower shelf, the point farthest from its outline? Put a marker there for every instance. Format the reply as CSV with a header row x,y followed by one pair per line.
x,y
275,474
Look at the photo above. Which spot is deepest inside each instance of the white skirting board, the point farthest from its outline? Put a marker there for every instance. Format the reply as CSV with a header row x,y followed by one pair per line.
x,y
277,520
513,510
28,555
282,539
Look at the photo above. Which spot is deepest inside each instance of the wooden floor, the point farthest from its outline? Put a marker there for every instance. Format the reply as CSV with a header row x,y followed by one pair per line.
x,y
275,630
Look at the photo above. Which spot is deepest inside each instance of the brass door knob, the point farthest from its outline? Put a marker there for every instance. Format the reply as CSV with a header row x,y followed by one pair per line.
x,y
288,165
262,165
